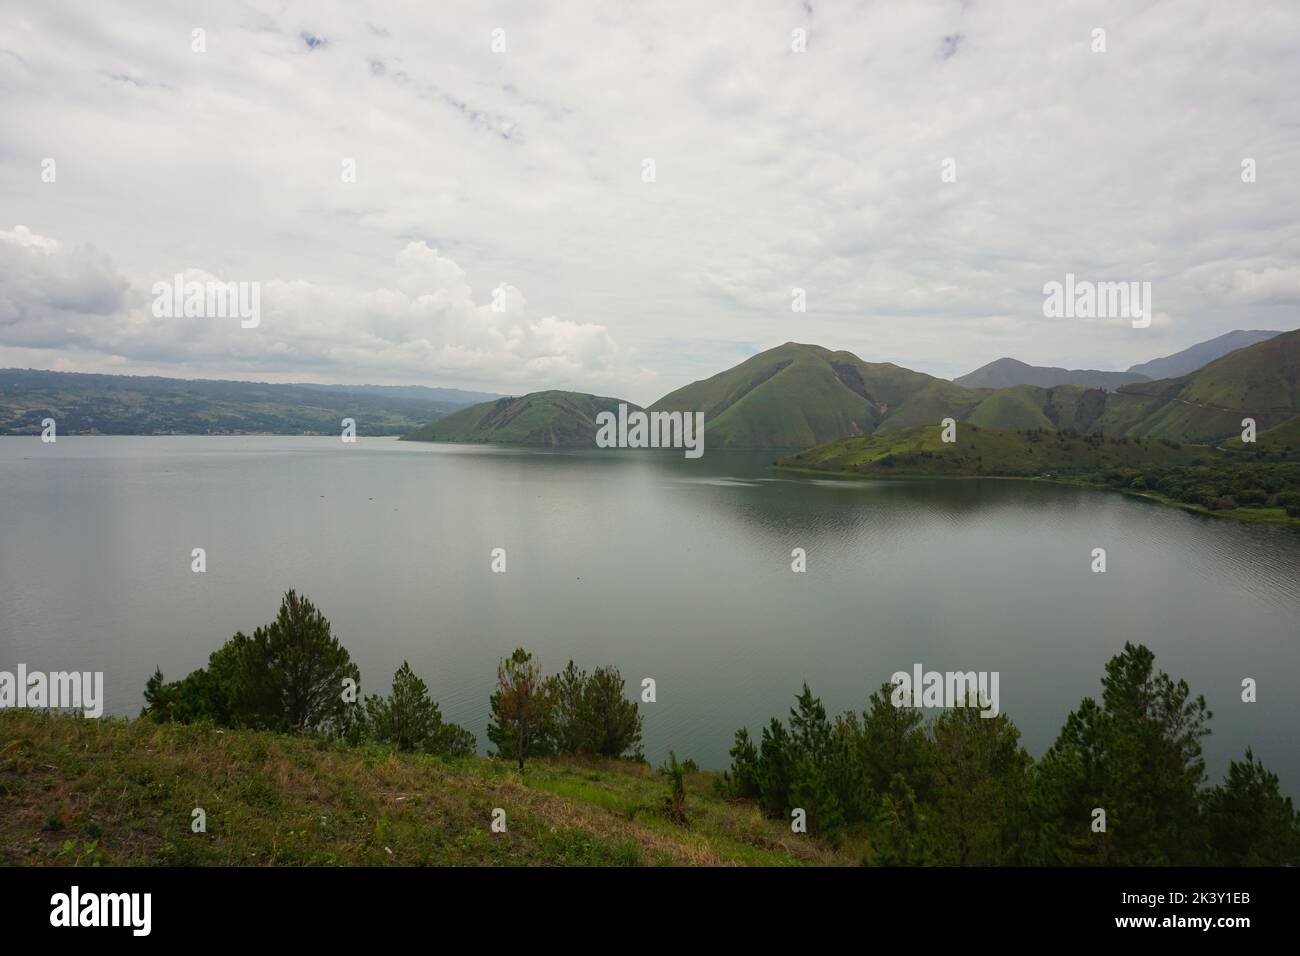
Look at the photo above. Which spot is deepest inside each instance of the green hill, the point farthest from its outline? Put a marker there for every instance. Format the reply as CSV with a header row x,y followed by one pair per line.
x,y
1281,439
540,418
1022,406
1261,381
92,404
798,395
1262,487
121,793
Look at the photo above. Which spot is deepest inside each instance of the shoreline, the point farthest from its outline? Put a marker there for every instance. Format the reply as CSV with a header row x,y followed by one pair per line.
x,y
1280,520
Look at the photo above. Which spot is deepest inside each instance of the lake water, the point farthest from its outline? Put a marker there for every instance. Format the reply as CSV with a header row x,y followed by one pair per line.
x,y
667,568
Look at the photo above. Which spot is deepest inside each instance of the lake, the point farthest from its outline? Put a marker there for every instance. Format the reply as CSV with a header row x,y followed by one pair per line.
x,y
669,568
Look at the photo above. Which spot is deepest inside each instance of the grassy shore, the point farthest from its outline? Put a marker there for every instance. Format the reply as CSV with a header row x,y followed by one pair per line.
x,y
107,792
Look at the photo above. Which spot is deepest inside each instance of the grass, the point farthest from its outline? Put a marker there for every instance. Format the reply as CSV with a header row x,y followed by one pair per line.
x,y
116,792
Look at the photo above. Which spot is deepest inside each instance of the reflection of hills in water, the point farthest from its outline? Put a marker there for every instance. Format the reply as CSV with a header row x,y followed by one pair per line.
x,y
749,490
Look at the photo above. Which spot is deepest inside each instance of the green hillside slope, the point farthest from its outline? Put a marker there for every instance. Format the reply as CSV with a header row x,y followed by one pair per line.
x,y
1257,485
1261,381
541,418
120,793
988,451
1281,440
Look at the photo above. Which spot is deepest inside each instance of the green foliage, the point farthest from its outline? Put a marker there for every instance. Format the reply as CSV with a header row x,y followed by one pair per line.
x,y
981,781
1136,755
960,790
591,714
613,723
1201,476
1249,821
675,802
742,780
522,707
572,712
288,676
410,719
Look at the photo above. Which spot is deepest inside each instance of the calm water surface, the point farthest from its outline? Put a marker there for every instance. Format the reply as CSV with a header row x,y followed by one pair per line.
x,y
673,569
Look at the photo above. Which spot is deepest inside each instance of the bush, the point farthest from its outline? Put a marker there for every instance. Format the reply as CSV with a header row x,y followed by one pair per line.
x,y
591,715
288,676
410,719
675,802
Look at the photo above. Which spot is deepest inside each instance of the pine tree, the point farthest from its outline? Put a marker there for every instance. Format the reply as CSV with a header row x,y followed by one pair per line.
x,y
522,706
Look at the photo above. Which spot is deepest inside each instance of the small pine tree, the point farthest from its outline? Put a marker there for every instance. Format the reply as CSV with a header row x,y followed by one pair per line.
x,y
408,717
1249,821
522,706
675,802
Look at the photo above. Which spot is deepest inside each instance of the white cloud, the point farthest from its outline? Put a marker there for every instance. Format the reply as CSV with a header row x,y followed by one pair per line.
x,y
426,326
44,284
775,169
1271,286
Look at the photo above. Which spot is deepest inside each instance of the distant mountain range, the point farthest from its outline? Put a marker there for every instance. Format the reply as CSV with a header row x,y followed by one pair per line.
x,y
1201,354
1006,372
794,396
147,405
800,396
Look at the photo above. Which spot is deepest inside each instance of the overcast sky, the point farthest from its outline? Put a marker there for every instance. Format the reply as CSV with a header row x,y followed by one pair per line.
x,y
523,170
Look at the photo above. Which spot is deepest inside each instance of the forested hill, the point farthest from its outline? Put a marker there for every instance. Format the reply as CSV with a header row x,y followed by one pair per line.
x,y
144,405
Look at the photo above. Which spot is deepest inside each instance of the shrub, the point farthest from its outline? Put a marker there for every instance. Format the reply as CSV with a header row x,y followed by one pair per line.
x,y
410,719
675,802
288,676
591,714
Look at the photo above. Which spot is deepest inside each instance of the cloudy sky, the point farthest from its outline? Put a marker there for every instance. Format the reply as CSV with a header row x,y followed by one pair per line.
x,y
522,170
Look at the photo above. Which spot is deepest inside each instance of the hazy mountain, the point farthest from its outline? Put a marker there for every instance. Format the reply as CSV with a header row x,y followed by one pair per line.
x,y
540,418
1261,381
83,403
1201,354
1006,372
423,393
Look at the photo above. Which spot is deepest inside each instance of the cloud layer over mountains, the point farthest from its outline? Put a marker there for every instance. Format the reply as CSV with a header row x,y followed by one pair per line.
x,y
522,171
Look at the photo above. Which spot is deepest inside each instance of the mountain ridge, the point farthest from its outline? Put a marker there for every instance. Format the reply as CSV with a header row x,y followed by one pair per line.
x,y
1007,372
1201,354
